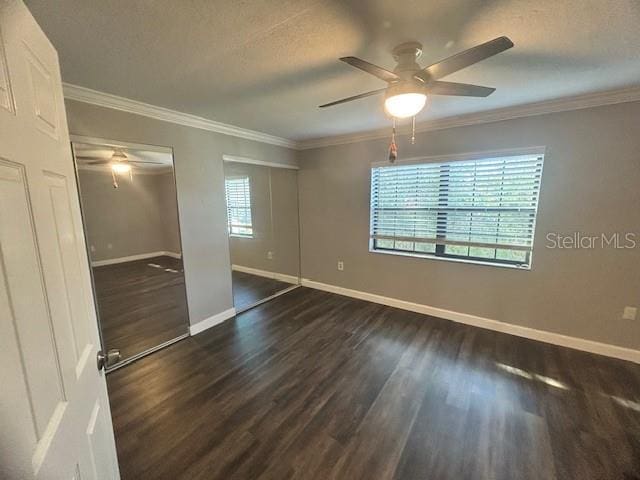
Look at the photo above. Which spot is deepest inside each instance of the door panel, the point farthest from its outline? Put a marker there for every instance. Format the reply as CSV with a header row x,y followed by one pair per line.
x,y
64,253
6,97
25,322
22,270
54,413
97,432
42,94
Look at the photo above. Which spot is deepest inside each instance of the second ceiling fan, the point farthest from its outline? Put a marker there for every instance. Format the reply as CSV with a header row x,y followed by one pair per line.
x,y
409,84
118,163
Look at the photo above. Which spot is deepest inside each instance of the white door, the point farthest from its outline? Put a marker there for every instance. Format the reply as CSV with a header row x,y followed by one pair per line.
x,y
54,413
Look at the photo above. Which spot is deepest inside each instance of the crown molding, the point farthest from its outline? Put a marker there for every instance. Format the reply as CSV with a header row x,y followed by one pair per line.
x,y
577,102
101,99
253,161
564,104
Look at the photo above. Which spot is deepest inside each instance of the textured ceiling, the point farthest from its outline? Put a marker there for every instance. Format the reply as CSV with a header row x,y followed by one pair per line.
x,y
266,65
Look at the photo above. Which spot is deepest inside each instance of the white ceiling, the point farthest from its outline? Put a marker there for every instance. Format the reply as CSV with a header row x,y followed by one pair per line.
x,y
266,65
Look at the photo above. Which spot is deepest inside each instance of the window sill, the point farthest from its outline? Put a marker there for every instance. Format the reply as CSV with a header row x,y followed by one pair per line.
x,y
237,235
447,259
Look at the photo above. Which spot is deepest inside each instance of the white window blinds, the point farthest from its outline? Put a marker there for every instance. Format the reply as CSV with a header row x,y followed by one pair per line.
x,y
483,209
238,193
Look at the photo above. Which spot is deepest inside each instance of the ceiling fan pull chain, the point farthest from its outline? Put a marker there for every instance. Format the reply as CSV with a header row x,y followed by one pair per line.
x,y
115,182
413,130
393,148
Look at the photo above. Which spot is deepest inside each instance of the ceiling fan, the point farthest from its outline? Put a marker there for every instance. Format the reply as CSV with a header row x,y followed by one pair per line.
x,y
119,163
409,84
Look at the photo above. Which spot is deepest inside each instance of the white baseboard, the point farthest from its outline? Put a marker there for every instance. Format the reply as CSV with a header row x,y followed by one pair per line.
x,y
264,273
486,323
131,258
212,321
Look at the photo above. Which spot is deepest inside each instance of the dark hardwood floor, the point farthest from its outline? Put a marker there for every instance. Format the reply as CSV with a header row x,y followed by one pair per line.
x,y
249,289
141,303
314,385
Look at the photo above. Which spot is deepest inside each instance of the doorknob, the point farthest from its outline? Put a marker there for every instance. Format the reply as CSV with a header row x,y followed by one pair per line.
x,y
107,359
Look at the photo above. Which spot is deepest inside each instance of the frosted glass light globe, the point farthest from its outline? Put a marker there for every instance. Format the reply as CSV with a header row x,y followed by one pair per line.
x,y
405,104
120,167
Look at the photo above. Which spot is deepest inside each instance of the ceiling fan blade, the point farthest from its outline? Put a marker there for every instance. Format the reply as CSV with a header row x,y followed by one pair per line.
x,y
355,97
98,162
144,161
374,70
460,89
464,59
90,157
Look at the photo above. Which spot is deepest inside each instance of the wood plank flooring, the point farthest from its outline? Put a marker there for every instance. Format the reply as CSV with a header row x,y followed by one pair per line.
x,y
249,289
314,385
141,306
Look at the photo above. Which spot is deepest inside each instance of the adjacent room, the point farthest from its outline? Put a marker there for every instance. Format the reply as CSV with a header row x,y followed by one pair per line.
x,y
375,239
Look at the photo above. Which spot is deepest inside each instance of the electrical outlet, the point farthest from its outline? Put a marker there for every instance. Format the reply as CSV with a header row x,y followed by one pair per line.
x,y
93,248
340,265
629,313
109,246
270,255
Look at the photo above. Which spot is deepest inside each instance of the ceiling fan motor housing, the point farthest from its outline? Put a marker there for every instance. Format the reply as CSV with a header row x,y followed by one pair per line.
x,y
406,55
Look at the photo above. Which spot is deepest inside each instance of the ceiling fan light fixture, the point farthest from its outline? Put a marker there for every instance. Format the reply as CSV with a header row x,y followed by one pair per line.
x,y
118,156
404,105
118,167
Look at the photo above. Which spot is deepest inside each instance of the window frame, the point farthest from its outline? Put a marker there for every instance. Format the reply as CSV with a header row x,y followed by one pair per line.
x,y
439,253
230,227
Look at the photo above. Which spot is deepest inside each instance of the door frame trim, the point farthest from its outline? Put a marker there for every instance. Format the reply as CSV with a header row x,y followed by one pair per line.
x,y
144,353
118,143
267,299
141,146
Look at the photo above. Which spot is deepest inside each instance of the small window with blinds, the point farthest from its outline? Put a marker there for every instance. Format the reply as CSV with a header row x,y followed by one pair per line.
x,y
238,193
481,210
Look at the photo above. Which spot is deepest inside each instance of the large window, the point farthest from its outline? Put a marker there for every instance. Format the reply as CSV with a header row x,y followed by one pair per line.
x,y
238,193
481,210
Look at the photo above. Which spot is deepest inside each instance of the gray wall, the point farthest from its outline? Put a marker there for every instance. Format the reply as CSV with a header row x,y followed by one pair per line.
x,y
286,228
138,217
274,209
591,184
168,206
200,183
